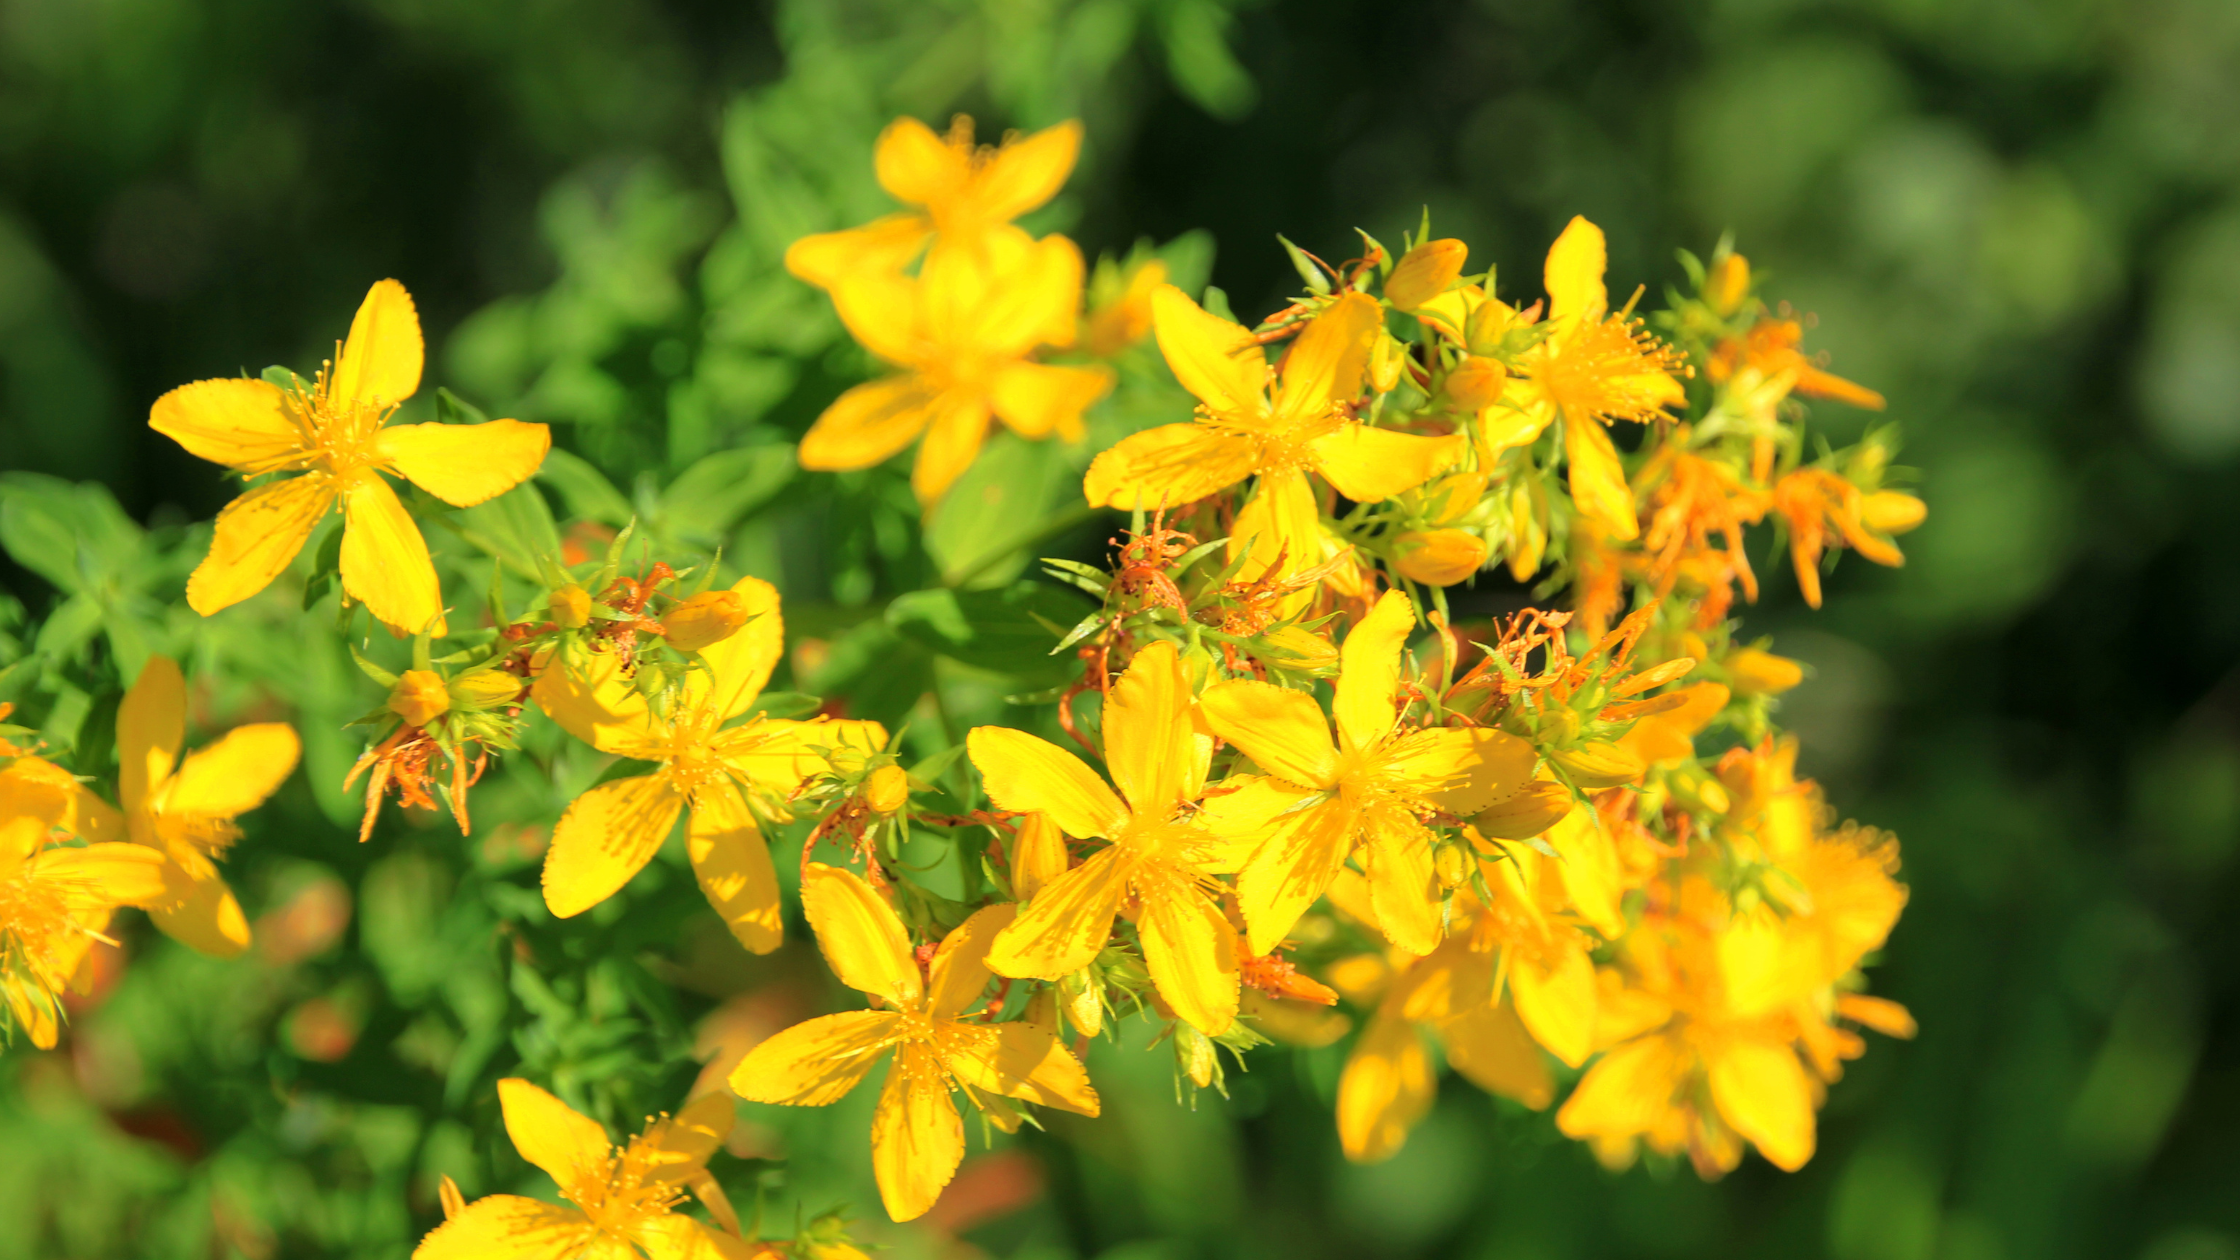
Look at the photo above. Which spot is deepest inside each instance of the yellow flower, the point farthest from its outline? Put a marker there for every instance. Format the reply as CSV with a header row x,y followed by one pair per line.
x,y
185,808
624,1196
55,902
1670,735
917,1135
1240,431
613,830
1160,862
963,331
1811,500
1377,784
333,433
1124,317
419,697
963,192
1439,557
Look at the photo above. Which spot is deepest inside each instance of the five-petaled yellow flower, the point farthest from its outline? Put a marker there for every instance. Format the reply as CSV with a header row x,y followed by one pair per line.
x,y
1377,784
624,1197
917,1135
335,433
1160,861
613,830
1241,431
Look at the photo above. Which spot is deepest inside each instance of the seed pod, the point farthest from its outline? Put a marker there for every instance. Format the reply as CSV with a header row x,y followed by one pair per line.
x,y
705,620
1598,764
1425,273
1438,557
1756,673
1525,813
419,697
571,607
888,789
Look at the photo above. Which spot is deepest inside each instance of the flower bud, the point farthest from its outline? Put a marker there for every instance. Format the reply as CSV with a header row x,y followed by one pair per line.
x,y
1728,285
1193,1051
571,607
1296,647
705,620
1525,813
1438,557
1488,325
888,789
1755,673
1386,355
1425,273
1081,993
1559,726
1599,764
1703,791
1038,856
1451,863
1477,383
1528,539
419,697
1891,511
485,689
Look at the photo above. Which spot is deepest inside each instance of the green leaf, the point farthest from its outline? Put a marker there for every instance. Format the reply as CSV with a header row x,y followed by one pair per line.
x,y
517,528
589,494
786,704
707,498
1216,302
1004,631
1306,267
74,536
1005,497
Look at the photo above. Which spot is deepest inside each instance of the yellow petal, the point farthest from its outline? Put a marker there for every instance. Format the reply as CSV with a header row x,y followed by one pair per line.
x,y
1761,1090
1023,1061
1279,525
1628,1091
867,424
1039,399
1167,467
777,754
1574,272
1025,773
1150,739
508,1227
672,1237
236,774
1242,812
549,1133
863,941
886,312
1067,923
99,876
1557,1002
1461,770
380,364
1191,951
740,664
917,166
1402,886
1038,856
1006,298
1291,869
385,563
257,535
1212,357
240,423
466,464
597,705
1589,875
1027,172
884,244
1387,1086
917,1137
1369,673
607,836
1326,363
1283,732
732,863
1370,465
1489,1047
959,973
151,728
1598,481
209,921
815,1063
681,1145
957,427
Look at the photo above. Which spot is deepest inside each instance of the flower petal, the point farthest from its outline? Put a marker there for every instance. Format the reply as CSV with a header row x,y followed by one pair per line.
x,y
1279,525
672,1237
1039,399
777,754
1038,856
209,921
151,729
1371,465
594,701
1402,886
385,563
1167,467
238,422
1213,358
887,243
508,1227
1761,1090
1292,868
1066,924
740,665
1489,1047
1387,1086
380,363
1245,810
959,973
466,464
1461,770
1627,1092
732,862
917,1137
607,836
236,774
954,433
863,940
1598,480
1367,701
1325,364
1556,999
680,1145
102,875
917,166
814,1063
549,1133
1150,740
257,535
1020,1060
1029,171
1191,951
1283,732
1027,773
1574,271
868,424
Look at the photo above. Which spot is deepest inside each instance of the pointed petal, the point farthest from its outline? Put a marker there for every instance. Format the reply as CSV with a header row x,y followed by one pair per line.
x,y
1326,363
681,1144
1212,357
917,166
595,702
1292,868
814,1063
209,921
1029,171
777,754
1556,999
954,434
1039,399
549,1133
1369,673
1761,1090
1065,925
1489,1047
1283,732
1589,873
380,364
917,1137
257,535
1402,886
1191,952
1006,297
1026,773
884,244
102,875
607,836
1574,271
1279,524
1167,467
673,1237
732,863
151,729
959,974
1019,1060
1241,813
863,940
508,1227
385,563
1598,480
1627,1092
739,666
466,464
236,774
240,423
868,424
1038,856
1371,465
1149,738
1387,1086
1461,770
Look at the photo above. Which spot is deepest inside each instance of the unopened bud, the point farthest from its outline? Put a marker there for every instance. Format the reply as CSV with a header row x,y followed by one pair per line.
x,y
1038,855
1451,863
419,697
1386,355
1892,511
571,608
1488,325
1081,994
1193,1051
1438,557
705,620
1425,273
447,1192
1559,726
1599,764
1728,284
1703,791
1528,539
651,678
1525,813
485,689
1296,647
1755,673
888,789
1477,383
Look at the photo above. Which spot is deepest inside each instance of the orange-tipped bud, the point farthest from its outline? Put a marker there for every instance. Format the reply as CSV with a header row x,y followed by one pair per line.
x,y
1525,813
888,789
1477,384
1892,511
1599,764
1438,557
705,620
571,608
1728,285
419,697
1425,273
1755,673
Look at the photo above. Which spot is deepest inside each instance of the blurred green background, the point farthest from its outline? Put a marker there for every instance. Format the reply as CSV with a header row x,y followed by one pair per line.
x,y
2020,219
